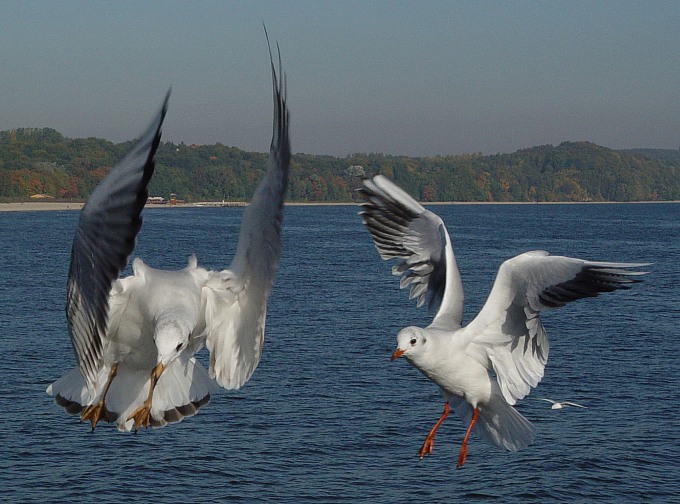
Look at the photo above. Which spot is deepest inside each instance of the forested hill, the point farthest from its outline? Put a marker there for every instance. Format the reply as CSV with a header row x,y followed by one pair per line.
x,y
42,161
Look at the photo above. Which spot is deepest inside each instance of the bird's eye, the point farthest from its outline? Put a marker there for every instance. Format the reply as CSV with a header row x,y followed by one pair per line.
x,y
413,341
179,346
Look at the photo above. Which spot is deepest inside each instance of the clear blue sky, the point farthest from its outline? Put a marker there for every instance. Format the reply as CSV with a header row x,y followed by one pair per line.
x,y
412,78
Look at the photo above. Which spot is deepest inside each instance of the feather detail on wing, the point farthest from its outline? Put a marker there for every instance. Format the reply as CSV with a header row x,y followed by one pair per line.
x,y
118,302
259,245
235,322
403,229
509,327
236,299
104,239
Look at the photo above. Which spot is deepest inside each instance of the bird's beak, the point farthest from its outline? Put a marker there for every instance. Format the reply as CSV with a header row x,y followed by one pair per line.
x,y
397,353
157,371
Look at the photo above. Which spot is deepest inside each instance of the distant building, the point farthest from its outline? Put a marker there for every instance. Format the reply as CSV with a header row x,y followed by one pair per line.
x,y
173,199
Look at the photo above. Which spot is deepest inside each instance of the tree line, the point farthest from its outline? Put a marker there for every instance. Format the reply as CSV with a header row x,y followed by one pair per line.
x,y
42,161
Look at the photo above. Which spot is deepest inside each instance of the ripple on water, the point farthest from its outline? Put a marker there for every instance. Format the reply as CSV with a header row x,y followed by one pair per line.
x,y
326,417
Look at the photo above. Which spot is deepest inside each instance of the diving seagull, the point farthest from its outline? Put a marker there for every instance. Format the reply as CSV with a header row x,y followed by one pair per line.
x,y
483,368
135,337
561,404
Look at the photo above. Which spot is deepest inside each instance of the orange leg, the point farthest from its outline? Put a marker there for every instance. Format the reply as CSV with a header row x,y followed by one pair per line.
x,y
96,412
426,449
142,415
463,446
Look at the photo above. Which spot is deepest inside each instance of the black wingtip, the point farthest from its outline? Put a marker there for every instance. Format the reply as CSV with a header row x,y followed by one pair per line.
x,y
280,144
156,127
161,114
266,34
164,108
271,58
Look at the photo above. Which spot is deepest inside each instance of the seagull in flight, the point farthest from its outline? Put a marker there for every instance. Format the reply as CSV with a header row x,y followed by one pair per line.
x,y
485,367
135,338
561,404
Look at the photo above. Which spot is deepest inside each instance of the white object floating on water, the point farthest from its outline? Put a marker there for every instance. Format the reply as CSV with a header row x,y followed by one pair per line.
x,y
486,366
561,404
135,337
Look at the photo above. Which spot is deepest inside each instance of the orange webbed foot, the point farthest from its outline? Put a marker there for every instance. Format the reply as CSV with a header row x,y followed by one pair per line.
x,y
93,413
142,416
426,449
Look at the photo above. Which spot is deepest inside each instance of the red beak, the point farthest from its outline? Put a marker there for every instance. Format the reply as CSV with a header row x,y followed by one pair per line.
x,y
397,353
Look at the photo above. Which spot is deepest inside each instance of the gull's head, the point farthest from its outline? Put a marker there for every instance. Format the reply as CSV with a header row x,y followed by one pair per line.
x,y
171,340
411,342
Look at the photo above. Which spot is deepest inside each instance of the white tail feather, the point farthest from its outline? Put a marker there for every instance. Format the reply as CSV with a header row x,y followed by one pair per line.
x,y
498,423
181,390
71,388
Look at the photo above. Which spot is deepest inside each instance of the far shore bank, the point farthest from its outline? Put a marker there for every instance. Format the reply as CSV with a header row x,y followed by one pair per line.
x,y
34,206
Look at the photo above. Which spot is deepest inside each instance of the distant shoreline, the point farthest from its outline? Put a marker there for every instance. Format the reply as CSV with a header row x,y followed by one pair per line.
x,y
38,206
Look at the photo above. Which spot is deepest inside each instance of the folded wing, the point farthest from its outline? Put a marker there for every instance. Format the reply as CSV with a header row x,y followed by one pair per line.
x,y
403,229
104,239
236,299
509,330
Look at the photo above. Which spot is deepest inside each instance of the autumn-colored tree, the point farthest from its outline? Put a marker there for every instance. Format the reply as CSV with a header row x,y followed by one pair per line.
x,y
36,160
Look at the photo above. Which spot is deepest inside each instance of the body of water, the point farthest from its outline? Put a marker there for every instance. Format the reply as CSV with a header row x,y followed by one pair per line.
x,y
326,417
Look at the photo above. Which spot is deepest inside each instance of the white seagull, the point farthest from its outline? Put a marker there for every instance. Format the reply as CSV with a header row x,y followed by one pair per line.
x,y
561,404
486,366
135,337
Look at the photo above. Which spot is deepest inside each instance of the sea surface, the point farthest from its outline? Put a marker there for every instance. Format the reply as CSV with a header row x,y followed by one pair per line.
x,y
327,417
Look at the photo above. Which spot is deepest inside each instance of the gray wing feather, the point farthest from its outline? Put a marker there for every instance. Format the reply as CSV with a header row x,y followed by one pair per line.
x,y
262,218
104,239
403,229
509,326
237,304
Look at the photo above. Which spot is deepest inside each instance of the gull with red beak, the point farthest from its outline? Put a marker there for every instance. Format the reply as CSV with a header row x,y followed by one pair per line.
x,y
483,368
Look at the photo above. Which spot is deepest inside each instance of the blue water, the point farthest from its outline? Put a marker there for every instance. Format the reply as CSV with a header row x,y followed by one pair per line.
x,y
326,417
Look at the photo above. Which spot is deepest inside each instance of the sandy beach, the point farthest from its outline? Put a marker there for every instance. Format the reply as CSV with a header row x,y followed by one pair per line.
x,y
31,206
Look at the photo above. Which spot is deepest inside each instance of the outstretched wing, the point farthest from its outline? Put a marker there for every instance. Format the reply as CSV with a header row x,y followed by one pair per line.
x,y
508,328
403,229
104,239
236,299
